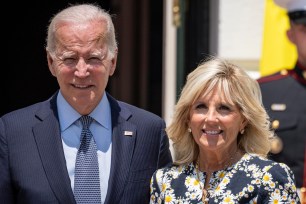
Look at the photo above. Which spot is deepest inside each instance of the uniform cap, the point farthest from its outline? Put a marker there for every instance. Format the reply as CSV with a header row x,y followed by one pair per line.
x,y
292,5
296,9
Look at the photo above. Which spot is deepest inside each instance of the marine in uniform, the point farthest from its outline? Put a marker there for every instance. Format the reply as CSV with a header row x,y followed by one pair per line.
x,y
284,97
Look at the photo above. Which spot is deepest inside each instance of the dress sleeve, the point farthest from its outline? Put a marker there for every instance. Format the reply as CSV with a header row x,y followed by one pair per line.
x,y
156,187
278,184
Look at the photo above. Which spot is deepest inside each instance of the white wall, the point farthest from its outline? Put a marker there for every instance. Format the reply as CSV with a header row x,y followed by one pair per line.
x,y
236,31
235,34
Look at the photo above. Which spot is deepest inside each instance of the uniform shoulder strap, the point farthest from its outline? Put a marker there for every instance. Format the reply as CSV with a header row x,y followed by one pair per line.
x,y
273,77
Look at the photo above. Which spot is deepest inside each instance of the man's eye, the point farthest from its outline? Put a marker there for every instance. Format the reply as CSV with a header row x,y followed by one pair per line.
x,y
69,61
94,59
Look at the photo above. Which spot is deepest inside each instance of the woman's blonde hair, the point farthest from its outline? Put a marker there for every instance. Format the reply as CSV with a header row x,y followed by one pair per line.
x,y
239,88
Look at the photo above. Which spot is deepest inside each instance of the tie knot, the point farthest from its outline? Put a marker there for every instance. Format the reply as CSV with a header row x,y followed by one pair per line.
x,y
86,121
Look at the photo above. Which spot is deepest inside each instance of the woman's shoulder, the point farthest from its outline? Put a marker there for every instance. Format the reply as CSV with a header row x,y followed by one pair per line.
x,y
174,170
262,161
266,165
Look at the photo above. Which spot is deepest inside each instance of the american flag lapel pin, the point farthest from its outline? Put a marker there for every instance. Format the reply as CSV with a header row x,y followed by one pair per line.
x,y
128,133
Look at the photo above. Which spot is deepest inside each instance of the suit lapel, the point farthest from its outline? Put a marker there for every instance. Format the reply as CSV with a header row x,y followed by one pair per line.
x,y
123,141
49,143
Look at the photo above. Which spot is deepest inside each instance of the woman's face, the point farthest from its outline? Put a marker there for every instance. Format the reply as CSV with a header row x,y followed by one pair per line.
x,y
214,122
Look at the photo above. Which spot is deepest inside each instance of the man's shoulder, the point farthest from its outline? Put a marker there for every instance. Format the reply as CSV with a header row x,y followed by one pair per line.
x,y
31,109
27,110
133,113
139,111
283,74
39,109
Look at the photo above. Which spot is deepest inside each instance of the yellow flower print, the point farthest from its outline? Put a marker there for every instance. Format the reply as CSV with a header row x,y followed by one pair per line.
x,y
164,186
219,190
272,185
196,182
275,198
250,188
266,168
277,191
153,197
267,178
188,180
225,181
228,199
168,199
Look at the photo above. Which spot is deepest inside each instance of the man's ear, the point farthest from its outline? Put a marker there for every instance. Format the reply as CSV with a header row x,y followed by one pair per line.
x,y
50,64
290,35
113,63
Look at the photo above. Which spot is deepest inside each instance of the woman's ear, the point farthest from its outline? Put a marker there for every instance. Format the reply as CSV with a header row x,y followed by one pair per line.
x,y
243,124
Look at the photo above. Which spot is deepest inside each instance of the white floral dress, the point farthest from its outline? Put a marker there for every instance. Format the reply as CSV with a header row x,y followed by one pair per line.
x,y
252,179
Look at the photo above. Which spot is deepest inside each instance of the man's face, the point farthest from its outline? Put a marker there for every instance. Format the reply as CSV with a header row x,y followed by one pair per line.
x,y
82,64
297,35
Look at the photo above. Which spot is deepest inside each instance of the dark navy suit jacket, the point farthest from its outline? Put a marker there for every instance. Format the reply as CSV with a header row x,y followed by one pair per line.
x,y
32,162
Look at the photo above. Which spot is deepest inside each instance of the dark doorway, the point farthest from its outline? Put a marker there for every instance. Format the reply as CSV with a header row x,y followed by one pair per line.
x,y
192,38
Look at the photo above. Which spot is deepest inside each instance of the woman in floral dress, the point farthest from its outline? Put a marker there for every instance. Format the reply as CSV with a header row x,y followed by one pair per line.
x,y
221,133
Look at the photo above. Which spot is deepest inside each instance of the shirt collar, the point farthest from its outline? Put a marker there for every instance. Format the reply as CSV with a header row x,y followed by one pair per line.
x,y
68,115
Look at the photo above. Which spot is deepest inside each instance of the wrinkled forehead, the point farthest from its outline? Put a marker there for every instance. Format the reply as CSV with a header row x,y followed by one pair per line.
x,y
77,36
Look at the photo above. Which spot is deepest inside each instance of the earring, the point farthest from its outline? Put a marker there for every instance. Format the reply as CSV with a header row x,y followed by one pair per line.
x,y
189,130
242,131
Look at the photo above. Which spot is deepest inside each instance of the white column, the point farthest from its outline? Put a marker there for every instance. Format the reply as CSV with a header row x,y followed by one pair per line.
x,y
169,62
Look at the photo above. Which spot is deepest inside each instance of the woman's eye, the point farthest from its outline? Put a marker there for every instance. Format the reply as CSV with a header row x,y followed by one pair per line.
x,y
223,107
200,106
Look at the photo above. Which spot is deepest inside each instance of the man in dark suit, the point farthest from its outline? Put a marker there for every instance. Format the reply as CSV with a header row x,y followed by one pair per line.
x,y
39,144
284,96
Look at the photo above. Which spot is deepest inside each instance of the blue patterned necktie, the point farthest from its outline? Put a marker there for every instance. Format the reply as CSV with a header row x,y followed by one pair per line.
x,y
86,180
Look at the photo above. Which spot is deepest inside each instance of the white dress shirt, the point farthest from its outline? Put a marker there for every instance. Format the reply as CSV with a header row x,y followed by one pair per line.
x,y
101,129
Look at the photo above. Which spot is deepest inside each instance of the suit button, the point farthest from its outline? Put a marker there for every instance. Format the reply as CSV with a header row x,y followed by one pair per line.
x,y
284,72
276,145
304,75
275,124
